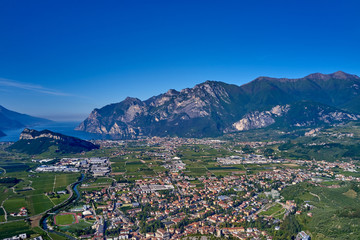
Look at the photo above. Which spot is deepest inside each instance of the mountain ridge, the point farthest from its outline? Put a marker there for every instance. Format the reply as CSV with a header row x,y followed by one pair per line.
x,y
212,107
13,120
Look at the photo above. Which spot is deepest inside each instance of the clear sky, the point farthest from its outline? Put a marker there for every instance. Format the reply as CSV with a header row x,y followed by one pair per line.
x,y
61,59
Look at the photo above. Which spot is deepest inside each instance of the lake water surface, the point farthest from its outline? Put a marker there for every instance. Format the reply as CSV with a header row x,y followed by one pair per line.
x,y
66,128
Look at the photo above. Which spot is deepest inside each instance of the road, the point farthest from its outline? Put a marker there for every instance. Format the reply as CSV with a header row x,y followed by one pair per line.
x,y
2,206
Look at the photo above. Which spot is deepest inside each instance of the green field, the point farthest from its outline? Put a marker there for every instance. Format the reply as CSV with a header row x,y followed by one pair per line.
x,y
35,200
14,228
118,164
137,168
14,204
60,199
76,227
55,236
336,211
2,216
39,203
276,208
64,219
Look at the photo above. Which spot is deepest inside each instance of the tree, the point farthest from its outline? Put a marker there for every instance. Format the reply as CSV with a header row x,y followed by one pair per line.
x,y
269,152
247,149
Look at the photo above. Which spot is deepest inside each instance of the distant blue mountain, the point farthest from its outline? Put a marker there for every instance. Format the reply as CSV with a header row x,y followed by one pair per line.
x,y
14,120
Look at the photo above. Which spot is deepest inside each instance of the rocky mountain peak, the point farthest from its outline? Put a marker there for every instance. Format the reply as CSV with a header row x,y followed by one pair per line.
x,y
132,100
313,76
335,75
318,76
172,92
208,83
343,75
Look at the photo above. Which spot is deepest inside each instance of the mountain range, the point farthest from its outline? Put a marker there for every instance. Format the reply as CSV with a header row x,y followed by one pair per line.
x,y
38,142
213,108
14,120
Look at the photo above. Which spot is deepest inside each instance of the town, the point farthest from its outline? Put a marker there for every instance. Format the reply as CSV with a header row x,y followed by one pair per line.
x,y
175,204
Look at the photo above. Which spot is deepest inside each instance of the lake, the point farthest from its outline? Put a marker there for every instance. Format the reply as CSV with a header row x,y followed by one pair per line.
x,y
66,128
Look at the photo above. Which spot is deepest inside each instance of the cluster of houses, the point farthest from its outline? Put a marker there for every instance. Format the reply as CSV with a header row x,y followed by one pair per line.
x,y
175,165
23,212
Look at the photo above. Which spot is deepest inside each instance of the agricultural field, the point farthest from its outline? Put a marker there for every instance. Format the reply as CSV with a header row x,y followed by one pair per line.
x,y
55,236
118,165
14,228
2,215
136,168
96,183
14,204
60,198
38,203
34,198
201,152
336,211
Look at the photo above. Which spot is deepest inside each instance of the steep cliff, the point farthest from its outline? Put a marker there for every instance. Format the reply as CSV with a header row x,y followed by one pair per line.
x,y
212,108
37,142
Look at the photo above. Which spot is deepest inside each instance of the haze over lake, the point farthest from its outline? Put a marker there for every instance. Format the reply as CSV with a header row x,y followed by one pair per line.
x,y
66,128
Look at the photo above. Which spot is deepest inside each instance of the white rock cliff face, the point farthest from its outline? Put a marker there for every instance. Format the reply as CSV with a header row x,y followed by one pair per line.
x,y
28,135
255,120
258,119
338,116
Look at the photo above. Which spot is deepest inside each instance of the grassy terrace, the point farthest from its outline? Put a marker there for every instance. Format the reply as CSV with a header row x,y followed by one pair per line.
x,y
273,211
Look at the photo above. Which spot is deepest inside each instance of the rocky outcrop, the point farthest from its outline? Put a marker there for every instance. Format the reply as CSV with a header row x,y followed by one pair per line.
x,y
33,134
260,119
300,114
36,142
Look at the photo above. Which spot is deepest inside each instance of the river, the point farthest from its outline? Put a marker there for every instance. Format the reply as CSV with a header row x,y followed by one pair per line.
x,y
53,213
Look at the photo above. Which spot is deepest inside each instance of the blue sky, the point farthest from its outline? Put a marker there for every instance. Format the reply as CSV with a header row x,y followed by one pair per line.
x,y
61,59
